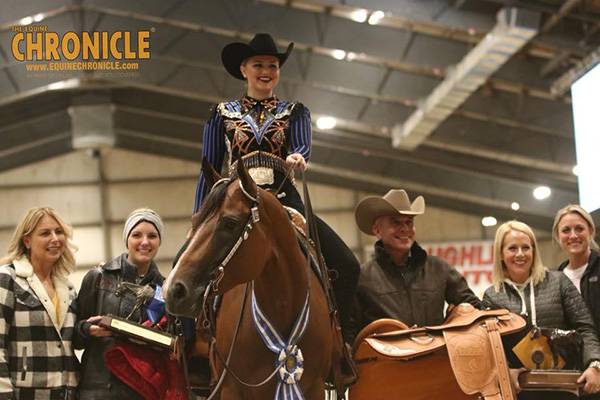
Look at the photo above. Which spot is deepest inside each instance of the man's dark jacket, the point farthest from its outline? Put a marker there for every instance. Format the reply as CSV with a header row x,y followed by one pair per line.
x,y
383,293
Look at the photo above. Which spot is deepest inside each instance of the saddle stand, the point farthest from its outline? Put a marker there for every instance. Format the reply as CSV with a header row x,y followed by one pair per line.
x,y
461,359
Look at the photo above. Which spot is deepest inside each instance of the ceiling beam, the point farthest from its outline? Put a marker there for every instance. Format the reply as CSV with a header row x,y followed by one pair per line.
x,y
564,82
373,97
425,190
352,126
360,58
363,143
34,144
562,12
514,29
490,154
428,28
537,5
509,158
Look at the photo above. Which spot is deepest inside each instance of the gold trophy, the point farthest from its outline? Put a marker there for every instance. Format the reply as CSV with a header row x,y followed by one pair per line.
x,y
553,358
133,331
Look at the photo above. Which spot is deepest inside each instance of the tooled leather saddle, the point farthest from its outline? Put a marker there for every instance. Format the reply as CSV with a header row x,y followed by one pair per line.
x,y
460,359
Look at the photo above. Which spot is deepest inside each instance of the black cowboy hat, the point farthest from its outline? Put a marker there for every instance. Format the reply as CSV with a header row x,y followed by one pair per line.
x,y
234,54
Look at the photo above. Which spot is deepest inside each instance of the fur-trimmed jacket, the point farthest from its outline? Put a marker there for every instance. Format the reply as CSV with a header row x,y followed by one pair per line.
x,y
36,353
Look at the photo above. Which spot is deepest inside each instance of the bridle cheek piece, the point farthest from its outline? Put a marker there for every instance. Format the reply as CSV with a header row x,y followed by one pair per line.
x,y
254,217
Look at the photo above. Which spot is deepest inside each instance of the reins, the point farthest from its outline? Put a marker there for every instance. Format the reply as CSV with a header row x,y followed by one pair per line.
x,y
213,284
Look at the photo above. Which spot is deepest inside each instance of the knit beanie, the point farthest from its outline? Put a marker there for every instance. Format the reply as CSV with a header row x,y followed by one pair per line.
x,y
142,215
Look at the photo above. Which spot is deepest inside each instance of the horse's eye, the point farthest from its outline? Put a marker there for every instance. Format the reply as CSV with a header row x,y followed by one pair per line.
x,y
230,225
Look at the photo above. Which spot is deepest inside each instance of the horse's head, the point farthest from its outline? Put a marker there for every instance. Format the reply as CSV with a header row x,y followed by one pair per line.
x,y
227,244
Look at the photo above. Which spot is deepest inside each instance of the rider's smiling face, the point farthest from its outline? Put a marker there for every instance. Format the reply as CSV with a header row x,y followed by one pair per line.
x,y
262,74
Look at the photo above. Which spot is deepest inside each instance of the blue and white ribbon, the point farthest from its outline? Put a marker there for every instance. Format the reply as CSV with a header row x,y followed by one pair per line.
x,y
289,360
156,309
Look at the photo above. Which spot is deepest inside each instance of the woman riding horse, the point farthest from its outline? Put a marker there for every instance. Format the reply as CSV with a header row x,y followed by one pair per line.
x,y
273,334
271,136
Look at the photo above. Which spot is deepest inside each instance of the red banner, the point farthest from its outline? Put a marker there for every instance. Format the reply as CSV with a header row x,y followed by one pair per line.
x,y
473,259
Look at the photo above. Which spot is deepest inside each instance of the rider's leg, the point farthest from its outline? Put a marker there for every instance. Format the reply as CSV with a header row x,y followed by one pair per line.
x,y
340,259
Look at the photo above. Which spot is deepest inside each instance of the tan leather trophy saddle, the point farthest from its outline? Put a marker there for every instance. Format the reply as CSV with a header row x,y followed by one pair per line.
x,y
461,359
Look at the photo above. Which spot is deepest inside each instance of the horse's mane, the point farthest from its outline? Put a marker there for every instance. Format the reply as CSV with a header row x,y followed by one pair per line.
x,y
211,203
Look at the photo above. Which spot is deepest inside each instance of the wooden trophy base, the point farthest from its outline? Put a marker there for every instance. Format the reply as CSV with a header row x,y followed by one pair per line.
x,y
139,334
550,379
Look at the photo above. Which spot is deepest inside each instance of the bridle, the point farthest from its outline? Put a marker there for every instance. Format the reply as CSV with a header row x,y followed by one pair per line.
x,y
252,219
213,286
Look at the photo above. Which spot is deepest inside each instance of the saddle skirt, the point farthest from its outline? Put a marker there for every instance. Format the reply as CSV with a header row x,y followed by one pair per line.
x,y
460,359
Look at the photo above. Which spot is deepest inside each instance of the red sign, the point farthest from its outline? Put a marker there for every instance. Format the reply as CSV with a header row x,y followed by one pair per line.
x,y
474,260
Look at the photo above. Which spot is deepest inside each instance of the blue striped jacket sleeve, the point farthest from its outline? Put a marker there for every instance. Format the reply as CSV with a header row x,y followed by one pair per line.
x,y
300,132
213,148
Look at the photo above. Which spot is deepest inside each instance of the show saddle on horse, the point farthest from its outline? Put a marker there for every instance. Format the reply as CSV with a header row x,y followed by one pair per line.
x,y
461,359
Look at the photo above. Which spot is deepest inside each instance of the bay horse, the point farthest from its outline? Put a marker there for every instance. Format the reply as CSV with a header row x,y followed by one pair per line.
x,y
228,251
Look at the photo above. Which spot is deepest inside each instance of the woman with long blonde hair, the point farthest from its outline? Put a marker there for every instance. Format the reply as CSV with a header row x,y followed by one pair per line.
x,y
545,299
36,309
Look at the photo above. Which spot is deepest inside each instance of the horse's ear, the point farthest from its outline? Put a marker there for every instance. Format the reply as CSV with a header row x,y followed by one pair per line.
x,y
210,175
247,181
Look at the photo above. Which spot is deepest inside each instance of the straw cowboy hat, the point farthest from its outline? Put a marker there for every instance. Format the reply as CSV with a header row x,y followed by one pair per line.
x,y
234,54
394,202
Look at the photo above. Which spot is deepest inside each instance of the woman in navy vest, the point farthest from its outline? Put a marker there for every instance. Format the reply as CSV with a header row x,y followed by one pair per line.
x,y
271,135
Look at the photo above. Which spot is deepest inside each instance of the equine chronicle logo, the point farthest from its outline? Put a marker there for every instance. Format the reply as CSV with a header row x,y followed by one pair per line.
x,y
79,51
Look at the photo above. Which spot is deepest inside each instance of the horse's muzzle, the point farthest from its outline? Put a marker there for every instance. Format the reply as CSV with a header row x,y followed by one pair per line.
x,y
183,301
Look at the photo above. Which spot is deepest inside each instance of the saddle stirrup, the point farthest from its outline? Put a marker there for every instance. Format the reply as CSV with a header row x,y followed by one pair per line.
x,y
506,391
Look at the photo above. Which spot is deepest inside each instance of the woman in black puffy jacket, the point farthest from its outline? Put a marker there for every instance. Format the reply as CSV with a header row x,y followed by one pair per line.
x,y
544,299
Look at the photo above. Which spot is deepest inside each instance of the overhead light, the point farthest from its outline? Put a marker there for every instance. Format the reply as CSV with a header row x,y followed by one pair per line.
x,y
376,17
339,54
515,206
38,17
489,221
350,56
542,192
26,21
576,170
326,123
359,16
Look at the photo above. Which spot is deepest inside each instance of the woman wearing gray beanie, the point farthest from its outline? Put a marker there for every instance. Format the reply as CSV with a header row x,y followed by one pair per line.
x,y
142,235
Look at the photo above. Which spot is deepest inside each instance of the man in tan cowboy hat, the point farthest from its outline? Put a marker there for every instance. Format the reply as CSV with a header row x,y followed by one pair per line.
x,y
402,281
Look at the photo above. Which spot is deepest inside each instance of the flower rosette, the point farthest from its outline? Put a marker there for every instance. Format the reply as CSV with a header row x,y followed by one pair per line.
x,y
292,365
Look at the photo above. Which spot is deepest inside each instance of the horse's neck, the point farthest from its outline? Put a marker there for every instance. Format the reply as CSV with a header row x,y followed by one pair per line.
x,y
281,288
